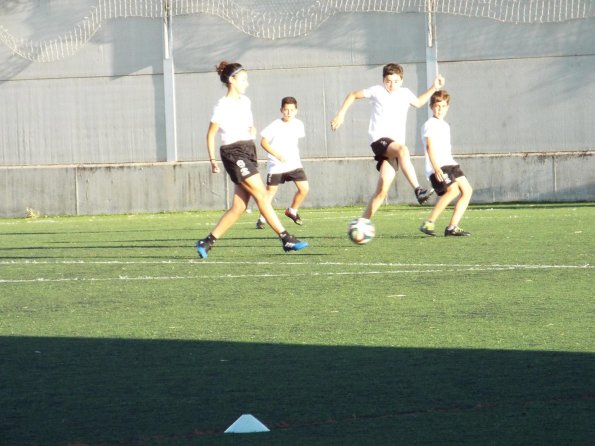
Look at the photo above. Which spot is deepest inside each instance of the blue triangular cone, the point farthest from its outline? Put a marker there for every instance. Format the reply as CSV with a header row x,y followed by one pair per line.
x,y
246,424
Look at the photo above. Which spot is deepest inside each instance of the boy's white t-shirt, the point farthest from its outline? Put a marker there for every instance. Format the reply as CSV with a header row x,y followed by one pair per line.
x,y
283,137
234,117
388,118
439,131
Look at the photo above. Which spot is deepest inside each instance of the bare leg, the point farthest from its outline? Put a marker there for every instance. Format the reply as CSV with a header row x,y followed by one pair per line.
x,y
255,187
401,152
387,176
271,191
444,200
238,207
303,187
461,206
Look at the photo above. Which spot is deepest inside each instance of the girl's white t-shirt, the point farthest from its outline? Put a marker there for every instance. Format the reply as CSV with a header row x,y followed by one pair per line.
x,y
234,117
388,118
439,131
283,137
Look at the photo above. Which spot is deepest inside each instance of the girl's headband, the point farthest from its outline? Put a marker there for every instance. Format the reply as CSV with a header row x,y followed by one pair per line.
x,y
237,70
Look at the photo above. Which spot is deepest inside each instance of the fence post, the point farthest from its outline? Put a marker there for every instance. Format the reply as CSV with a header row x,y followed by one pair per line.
x,y
169,86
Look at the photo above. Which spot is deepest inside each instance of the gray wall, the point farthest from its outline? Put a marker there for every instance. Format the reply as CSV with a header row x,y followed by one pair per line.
x,y
86,135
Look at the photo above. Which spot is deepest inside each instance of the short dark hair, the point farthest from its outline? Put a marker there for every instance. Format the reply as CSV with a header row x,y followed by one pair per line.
x,y
440,95
392,68
288,100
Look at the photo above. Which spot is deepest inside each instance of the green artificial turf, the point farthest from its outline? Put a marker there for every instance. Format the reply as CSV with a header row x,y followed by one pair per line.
x,y
113,332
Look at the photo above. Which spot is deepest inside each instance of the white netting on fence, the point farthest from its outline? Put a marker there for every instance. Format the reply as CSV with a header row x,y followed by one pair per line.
x,y
277,19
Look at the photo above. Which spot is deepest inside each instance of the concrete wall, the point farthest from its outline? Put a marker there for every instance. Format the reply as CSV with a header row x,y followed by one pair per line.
x,y
86,135
157,187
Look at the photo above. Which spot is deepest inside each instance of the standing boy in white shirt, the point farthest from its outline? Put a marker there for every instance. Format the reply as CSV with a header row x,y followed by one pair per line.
x,y
280,140
444,173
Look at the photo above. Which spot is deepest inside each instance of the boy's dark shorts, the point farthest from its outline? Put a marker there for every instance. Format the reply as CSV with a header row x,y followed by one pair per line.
x,y
274,179
239,160
379,147
453,173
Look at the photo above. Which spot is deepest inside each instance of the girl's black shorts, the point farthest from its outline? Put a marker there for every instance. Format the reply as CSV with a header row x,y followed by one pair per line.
x,y
239,160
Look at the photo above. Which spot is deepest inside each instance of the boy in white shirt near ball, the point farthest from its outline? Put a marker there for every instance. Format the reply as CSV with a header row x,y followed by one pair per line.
x,y
445,174
386,131
280,140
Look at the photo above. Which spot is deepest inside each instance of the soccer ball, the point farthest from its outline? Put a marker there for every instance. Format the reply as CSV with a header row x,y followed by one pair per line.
x,y
361,231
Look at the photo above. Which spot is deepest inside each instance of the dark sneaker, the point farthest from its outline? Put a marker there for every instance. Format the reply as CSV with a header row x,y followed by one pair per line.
x,y
260,224
296,218
428,228
290,243
456,231
422,195
202,247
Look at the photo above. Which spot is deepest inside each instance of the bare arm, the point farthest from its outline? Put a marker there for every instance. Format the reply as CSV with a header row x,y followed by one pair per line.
x,y
432,155
337,121
211,132
264,143
425,96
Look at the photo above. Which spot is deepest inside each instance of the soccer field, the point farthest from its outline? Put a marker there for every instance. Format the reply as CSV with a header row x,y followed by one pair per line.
x,y
113,332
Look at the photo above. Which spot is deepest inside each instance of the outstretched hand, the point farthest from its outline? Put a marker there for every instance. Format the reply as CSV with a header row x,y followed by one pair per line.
x,y
336,122
439,82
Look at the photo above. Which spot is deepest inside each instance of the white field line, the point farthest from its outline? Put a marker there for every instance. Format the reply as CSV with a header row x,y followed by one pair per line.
x,y
426,268
264,263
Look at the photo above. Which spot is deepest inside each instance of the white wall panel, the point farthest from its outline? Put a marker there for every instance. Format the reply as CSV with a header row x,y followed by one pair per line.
x,y
82,120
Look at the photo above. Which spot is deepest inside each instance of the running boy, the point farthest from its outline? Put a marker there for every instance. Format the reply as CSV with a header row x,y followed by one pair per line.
x,y
444,173
390,103
280,140
233,116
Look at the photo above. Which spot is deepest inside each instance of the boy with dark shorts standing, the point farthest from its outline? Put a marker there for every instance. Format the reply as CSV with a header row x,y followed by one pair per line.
x,y
444,173
280,140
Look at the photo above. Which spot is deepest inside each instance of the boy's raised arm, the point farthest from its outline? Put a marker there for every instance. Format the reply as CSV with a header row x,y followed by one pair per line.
x,y
426,95
337,121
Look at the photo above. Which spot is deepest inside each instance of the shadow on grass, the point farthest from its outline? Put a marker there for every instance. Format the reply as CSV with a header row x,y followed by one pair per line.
x,y
83,249
63,391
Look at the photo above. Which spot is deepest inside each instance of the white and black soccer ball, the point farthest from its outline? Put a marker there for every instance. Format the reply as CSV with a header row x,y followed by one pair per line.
x,y
361,231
